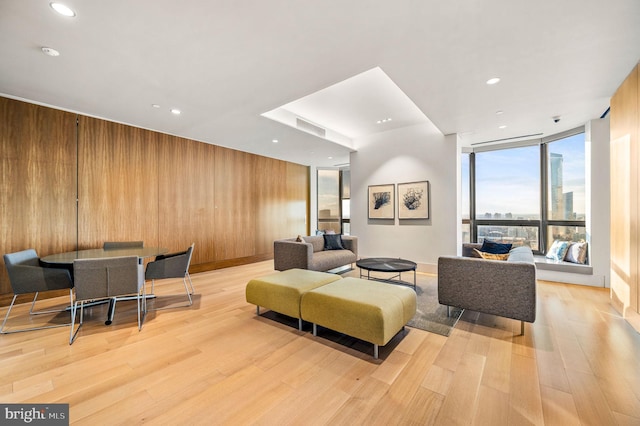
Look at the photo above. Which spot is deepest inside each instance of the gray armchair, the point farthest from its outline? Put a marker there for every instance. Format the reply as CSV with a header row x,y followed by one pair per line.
x,y
174,265
27,276
107,278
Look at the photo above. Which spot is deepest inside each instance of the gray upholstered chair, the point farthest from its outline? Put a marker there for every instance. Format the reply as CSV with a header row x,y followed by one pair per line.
x,y
115,245
174,265
107,278
112,245
27,276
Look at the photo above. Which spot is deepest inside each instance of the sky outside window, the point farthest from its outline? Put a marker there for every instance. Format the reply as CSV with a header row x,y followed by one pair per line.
x,y
508,184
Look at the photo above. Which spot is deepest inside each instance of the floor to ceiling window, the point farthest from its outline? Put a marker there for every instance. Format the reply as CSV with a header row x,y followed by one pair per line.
x,y
526,195
333,201
566,189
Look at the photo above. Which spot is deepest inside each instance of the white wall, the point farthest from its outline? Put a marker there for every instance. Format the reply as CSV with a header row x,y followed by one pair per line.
x,y
597,136
408,154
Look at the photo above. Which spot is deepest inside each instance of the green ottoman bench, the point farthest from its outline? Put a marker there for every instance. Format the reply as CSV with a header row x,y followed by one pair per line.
x,y
281,291
367,310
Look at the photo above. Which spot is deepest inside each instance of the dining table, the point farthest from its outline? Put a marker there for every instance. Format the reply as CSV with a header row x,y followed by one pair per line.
x,y
65,260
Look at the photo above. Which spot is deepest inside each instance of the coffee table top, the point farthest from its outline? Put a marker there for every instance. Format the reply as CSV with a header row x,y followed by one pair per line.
x,y
386,264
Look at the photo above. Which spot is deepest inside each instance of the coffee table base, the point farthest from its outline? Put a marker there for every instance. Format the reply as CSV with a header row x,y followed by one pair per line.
x,y
391,279
387,265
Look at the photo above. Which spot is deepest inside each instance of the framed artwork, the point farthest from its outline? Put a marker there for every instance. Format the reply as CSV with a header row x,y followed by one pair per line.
x,y
413,200
381,202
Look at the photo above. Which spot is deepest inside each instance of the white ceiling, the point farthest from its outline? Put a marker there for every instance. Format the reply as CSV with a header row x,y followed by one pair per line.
x,y
225,63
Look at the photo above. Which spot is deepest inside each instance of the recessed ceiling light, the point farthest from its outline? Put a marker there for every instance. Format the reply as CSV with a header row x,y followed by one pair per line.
x,y
502,127
155,105
330,158
383,120
176,111
63,9
275,141
499,112
493,80
49,51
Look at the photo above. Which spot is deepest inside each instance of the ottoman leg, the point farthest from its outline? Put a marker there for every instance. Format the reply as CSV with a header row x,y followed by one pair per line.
x,y
375,351
300,324
315,329
257,310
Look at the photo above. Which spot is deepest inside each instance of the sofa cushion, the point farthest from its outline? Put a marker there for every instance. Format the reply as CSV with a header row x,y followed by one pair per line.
x,y
317,241
330,259
333,242
489,246
521,254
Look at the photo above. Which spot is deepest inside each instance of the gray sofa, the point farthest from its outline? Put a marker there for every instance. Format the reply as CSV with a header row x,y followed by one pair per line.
x,y
497,287
310,254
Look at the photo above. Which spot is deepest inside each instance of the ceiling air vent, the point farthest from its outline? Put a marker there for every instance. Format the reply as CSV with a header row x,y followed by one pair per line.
x,y
310,128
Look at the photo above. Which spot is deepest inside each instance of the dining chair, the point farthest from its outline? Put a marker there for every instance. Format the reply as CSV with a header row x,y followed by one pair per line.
x,y
27,276
112,245
173,265
107,278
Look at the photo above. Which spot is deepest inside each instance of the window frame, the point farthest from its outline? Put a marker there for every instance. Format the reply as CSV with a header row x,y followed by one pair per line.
x,y
544,223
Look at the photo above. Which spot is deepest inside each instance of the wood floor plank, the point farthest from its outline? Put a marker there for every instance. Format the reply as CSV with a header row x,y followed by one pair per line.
x,y
438,379
590,401
460,402
558,407
361,403
524,391
492,407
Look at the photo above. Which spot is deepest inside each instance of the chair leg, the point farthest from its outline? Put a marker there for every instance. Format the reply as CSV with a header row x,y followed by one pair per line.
x,y
6,317
50,311
186,289
142,305
138,303
74,333
184,281
190,282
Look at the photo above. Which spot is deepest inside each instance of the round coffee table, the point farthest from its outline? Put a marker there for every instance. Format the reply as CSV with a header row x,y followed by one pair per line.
x,y
387,264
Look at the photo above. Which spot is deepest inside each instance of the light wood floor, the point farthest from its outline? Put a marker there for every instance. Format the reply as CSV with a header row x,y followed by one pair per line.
x,y
217,363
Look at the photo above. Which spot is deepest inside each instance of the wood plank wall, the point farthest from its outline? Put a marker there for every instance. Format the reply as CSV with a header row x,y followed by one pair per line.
x,y
117,183
625,196
136,184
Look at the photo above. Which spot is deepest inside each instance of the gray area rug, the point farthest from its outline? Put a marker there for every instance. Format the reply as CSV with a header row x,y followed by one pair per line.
x,y
430,315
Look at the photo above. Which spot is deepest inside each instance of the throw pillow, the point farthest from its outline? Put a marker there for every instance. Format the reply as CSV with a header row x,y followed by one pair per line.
x,y
558,250
577,253
333,242
492,256
299,239
489,246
